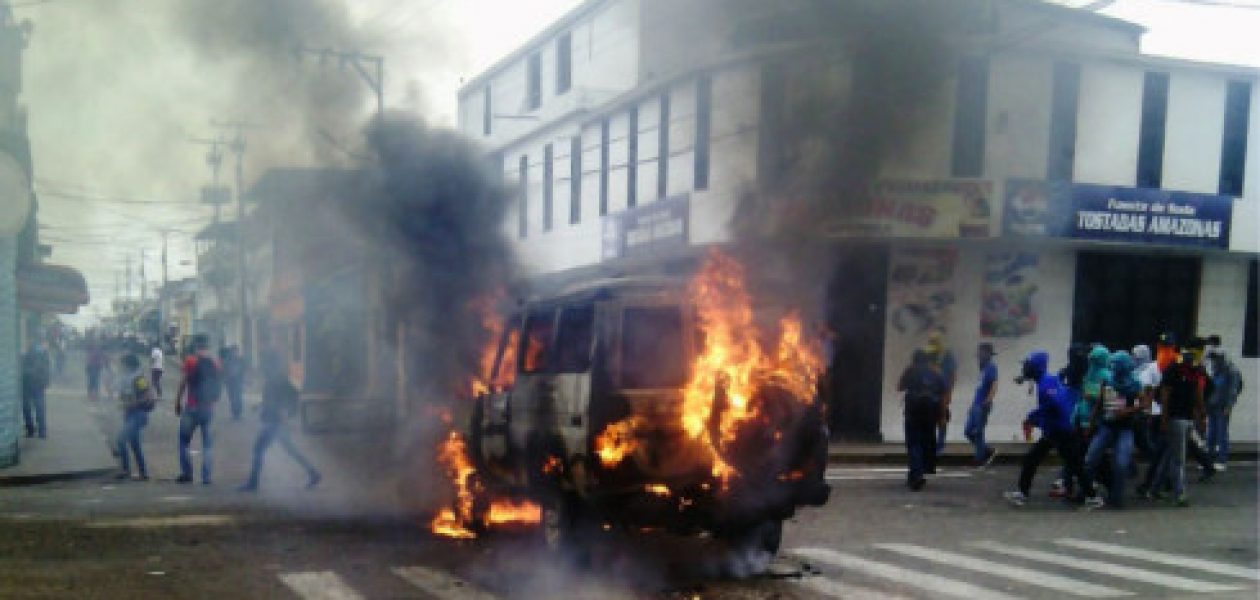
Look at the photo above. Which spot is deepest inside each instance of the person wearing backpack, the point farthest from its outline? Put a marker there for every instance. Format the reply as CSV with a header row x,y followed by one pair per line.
x,y
925,389
203,384
137,400
1226,385
35,374
279,404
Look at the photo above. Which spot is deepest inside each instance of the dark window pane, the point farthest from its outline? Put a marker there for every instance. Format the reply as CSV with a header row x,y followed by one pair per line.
x,y
1150,172
632,160
487,115
534,85
564,63
662,149
523,210
1234,143
573,342
504,371
548,174
603,167
575,180
704,117
970,115
652,348
1063,113
1251,346
536,350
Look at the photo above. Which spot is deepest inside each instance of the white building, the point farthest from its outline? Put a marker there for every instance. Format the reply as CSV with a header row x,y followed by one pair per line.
x,y
1034,179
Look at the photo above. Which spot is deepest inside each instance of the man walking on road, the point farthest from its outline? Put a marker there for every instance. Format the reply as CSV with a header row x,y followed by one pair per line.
x,y
279,404
35,373
1053,417
156,368
924,388
982,405
203,382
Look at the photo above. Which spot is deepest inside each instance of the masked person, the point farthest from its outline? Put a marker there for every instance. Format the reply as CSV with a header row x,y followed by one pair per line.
x,y
136,398
279,404
924,388
1113,418
1053,416
942,360
1226,385
1182,397
203,383
982,405
1071,381
1145,424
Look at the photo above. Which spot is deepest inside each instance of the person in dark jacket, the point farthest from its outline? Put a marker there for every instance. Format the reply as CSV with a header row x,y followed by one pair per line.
x,y
36,370
925,390
1053,416
279,404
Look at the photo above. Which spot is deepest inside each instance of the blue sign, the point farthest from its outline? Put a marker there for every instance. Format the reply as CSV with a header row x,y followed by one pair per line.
x,y
1116,214
653,228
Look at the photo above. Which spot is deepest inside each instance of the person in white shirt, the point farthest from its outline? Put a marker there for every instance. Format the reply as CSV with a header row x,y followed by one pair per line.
x,y
156,358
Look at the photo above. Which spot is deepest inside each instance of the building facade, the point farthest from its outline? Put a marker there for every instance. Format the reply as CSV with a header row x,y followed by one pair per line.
x,y
1026,178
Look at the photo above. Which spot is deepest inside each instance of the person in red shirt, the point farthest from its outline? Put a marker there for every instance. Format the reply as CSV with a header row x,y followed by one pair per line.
x,y
203,383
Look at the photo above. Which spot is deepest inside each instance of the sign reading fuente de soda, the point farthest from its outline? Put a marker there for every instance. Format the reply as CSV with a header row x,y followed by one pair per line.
x,y
1116,213
659,226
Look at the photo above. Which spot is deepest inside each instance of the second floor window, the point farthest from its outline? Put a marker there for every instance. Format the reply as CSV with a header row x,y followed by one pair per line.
x,y
564,63
534,86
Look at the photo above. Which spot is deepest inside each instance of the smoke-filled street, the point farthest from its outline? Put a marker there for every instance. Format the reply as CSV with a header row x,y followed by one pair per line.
x,y
477,299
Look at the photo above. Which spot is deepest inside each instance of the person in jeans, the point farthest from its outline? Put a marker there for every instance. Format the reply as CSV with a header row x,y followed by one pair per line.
x,y
1053,417
136,399
36,369
982,405
1182,396
1226,385
924,388
942,360
1114,417
279,404
203,384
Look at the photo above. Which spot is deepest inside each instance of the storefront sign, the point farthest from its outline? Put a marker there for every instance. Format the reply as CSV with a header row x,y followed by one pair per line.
x,y
940,208
657,227
1115,213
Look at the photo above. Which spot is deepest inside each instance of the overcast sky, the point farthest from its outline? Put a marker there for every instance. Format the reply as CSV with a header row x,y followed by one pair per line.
x,y
113,101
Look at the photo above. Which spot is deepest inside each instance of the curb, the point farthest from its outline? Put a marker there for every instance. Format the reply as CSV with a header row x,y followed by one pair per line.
x,y
41,478
1004,457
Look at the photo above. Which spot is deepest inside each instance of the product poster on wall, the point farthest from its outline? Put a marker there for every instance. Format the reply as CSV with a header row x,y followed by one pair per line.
x,y
1010,287
921,289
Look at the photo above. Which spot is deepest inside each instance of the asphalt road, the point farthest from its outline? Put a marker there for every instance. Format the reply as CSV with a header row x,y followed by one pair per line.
x,y
957,538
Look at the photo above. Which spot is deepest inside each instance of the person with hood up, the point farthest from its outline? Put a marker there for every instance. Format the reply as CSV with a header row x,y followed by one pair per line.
x,y
1226,384
1145,430
1181,393
136,398
1053,417
1113,419
1071,378
925,390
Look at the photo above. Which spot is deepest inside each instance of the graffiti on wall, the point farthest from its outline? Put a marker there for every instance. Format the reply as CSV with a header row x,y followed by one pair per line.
x,y
921,289
1009,289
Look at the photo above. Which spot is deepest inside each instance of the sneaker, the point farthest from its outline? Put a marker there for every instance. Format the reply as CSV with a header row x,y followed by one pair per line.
x,y
1182,501
184,479
1016,498
1220,467
989,459
1093,502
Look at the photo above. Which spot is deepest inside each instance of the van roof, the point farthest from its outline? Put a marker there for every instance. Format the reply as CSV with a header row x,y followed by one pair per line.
x,y
614,286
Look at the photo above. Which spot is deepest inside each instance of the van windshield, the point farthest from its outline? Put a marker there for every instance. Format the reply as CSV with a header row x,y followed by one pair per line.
x,y
652,348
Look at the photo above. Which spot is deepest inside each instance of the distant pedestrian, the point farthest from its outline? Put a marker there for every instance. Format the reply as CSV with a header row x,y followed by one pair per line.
x,y
203,383
1226,383
137,399
94,364
156,368
234,379
279,404
982,405
924,389
36,369
1053,417
942,359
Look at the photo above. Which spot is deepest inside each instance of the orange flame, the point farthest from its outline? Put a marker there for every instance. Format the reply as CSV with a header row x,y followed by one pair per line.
x,y
617,441
509,512
453,521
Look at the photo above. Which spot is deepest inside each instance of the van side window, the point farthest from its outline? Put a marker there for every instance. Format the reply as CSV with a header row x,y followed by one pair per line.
x,y
539,327
652,348
573,342
504,373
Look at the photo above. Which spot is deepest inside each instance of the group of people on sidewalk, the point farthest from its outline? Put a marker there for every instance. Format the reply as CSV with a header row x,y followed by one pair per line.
x,y
204,381
1096,413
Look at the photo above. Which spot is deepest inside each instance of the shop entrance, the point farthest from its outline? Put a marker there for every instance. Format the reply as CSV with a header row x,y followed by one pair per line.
x,y
857,296
1124,299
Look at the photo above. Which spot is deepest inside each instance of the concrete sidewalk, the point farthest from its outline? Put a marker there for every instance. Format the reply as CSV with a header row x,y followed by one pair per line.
x,y
76,446
960,454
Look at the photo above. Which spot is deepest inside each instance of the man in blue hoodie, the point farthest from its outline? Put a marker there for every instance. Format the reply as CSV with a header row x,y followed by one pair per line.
x,y
1053,417
1113,419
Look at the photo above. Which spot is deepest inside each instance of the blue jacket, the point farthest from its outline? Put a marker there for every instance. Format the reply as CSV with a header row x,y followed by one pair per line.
x,y
1054,406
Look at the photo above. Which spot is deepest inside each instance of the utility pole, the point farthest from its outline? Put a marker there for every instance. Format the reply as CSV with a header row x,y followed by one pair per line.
x,y
237,145
128,277
144,282
370,67
163,295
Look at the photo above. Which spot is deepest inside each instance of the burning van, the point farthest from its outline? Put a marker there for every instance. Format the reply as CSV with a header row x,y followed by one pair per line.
x,y
651,403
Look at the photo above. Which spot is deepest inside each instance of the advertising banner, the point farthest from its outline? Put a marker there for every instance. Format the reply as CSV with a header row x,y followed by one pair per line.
x,y
1008,308
934,208
654,228
1117,213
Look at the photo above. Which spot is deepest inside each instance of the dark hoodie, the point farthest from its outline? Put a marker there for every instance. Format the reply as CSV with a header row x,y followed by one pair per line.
x,y
1054,407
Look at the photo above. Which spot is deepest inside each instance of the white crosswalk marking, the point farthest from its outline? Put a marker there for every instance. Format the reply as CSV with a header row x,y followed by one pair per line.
x,y
442,585
1008,571
1174,560
843,591
319,585
938,586
1121,571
